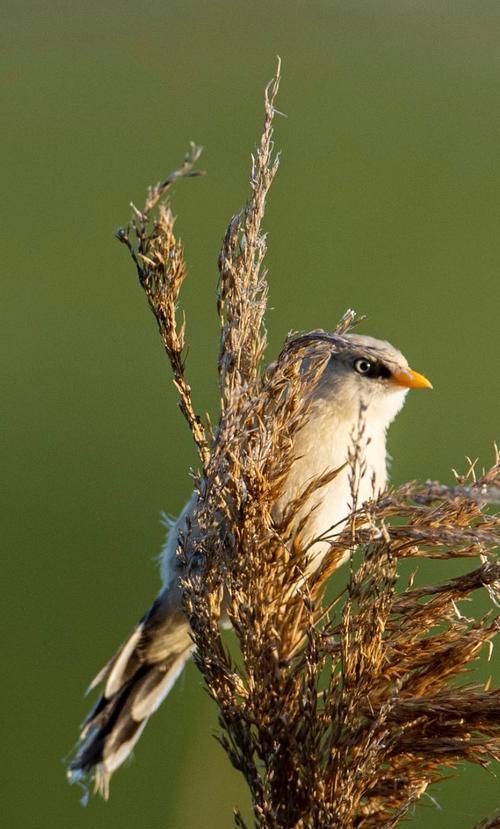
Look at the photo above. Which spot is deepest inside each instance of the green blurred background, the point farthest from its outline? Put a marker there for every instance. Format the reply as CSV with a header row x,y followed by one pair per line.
x,y
387,200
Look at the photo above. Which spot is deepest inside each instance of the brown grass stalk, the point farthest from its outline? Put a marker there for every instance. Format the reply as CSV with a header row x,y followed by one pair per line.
x,y
337,714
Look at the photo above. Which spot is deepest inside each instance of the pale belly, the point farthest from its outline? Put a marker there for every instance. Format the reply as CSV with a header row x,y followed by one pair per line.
x,y
328,509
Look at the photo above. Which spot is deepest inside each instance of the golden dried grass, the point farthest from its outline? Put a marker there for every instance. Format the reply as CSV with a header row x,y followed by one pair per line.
x,y
337,714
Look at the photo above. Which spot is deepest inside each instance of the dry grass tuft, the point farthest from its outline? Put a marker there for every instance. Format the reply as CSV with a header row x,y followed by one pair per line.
x,y
338,714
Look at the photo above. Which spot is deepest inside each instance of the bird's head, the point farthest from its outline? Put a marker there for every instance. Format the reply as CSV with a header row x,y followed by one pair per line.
x,y
372,373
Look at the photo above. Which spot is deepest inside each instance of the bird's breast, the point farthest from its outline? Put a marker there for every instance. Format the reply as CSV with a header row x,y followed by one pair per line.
x,y
322,445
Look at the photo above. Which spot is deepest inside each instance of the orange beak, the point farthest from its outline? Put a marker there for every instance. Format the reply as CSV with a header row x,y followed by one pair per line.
x,y
411,379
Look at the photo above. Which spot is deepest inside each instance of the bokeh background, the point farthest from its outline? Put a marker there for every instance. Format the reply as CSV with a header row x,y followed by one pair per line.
x,y
387,200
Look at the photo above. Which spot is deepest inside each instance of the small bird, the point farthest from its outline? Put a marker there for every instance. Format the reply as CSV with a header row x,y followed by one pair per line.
x,y
368,375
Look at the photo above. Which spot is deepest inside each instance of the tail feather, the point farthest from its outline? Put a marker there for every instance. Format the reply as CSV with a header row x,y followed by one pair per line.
x,y
136,681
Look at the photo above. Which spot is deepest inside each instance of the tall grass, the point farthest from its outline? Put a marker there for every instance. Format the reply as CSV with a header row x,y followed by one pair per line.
x,y
338,713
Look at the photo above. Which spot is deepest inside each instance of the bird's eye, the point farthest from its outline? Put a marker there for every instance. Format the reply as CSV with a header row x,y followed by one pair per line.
x,y
363,366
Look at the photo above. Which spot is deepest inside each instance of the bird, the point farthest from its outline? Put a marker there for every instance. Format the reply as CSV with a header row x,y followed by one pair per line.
x,y
367,375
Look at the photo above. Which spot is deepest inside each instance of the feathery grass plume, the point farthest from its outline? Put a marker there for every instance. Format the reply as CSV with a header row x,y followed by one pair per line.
x,y
340,713
161,268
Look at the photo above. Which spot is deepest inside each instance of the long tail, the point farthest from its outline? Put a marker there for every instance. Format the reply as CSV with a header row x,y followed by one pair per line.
x,y
137,680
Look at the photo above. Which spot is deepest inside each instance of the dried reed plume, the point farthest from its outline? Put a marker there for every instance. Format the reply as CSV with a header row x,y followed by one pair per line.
x,y
337,714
